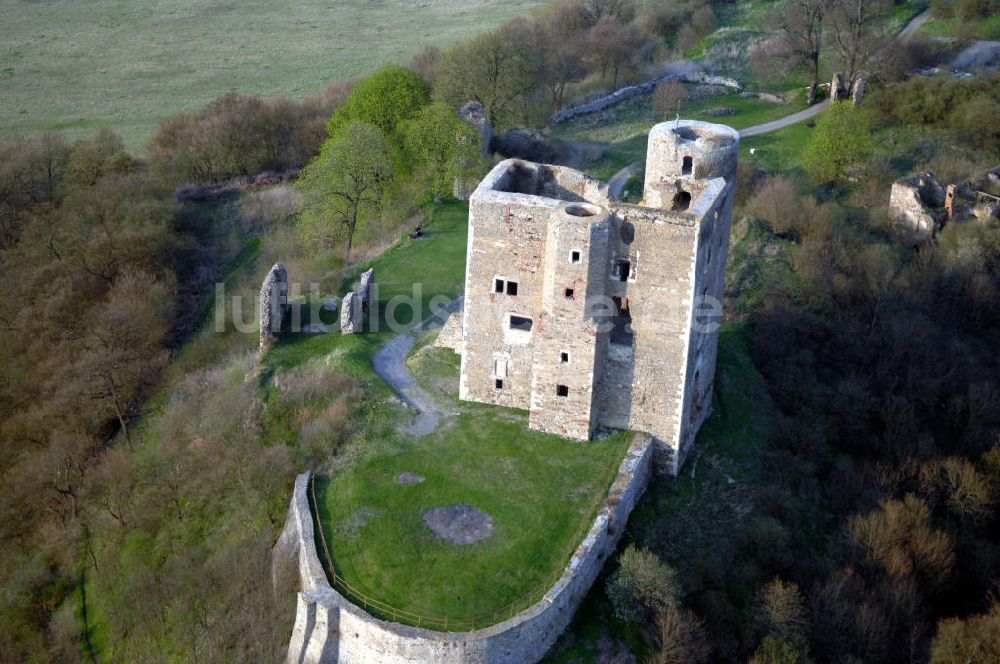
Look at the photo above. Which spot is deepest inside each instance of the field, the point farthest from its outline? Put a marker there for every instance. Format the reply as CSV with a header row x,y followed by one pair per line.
x,y
79,66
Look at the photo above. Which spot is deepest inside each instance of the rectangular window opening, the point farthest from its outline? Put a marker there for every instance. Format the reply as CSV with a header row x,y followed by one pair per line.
x,y
520,323
622,269
562,391
574,257
498,286
564,357
511,288
499,383
569,293
687,166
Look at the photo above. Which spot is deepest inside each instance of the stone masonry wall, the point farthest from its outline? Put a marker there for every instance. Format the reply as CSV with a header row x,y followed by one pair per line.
x,y
557,235
329,629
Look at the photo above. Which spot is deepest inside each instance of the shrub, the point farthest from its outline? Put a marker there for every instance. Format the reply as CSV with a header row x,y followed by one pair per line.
x,y
642,585
679,638
840,142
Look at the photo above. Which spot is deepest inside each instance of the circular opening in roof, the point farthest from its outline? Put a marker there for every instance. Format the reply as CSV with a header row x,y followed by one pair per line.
x,y
580,211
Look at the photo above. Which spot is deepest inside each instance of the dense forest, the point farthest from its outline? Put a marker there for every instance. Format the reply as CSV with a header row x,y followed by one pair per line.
x,y
876,537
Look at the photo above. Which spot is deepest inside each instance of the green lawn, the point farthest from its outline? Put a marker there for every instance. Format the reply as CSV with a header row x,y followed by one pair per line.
x,y
79,66
987,28
436,263
780,151
540,490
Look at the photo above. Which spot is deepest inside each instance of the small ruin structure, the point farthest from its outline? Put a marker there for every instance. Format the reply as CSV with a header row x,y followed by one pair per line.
x,y
356,304
592,313
920,207
272,305
843,90
916,205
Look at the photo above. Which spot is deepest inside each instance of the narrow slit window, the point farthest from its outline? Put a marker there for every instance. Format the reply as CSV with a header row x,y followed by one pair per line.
x,y
564,357
520,323
569,293
574,257
511,288
498,285
499,383
687,166
562,391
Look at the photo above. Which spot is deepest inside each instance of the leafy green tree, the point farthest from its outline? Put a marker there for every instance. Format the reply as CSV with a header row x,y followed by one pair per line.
x,y
445,143
344,184
384,99
839,143
642,585
493,69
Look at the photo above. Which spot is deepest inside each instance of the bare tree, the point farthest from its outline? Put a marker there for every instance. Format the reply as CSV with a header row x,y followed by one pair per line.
x,y
611,45
800,23
562,64
668,98
857,27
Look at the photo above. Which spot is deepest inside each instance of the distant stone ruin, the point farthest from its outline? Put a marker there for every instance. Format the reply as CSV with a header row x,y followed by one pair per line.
x,y
356,304
920,207
843,90
273,305
916,204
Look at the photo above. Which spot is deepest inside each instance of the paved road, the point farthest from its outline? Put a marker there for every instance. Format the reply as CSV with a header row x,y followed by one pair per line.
x,y
390,364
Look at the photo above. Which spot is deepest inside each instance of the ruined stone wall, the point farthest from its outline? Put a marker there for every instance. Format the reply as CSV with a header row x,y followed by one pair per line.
x,y
272,305
912,204
507,234
330,629
709,277
658,294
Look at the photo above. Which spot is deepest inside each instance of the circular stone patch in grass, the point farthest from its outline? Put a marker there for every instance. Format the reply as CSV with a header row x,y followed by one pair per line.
x,y
409,478
459,524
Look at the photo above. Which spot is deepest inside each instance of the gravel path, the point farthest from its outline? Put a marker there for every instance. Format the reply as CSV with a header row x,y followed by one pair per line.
x,y
786,121
617,182
390,364
914,25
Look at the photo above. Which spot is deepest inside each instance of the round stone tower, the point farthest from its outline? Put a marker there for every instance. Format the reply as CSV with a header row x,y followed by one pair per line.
x,y
690,149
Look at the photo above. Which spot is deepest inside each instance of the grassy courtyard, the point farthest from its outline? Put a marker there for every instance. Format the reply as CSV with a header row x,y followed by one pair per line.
x,y
540,490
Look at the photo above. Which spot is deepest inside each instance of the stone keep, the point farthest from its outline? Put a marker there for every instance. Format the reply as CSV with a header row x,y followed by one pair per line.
x,y
273,304
582,309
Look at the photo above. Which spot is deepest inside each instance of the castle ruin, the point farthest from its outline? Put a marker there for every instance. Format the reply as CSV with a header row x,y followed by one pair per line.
x,y
592,313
